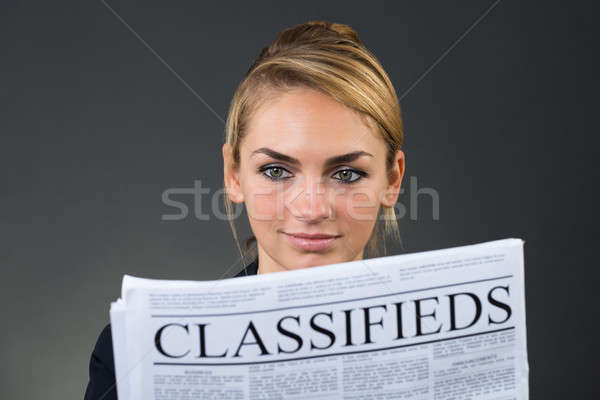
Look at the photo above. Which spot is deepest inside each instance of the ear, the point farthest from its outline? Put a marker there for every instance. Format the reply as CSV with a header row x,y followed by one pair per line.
x,y
395,176
231,175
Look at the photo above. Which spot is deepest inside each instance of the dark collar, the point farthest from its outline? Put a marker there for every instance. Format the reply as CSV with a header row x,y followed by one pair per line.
x,y
251,269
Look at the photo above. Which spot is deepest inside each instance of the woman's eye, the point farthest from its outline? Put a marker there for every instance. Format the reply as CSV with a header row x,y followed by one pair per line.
x,y
275,173
348,175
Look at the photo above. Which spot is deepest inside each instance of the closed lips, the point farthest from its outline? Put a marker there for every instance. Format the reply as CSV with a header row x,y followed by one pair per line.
x,y
313,236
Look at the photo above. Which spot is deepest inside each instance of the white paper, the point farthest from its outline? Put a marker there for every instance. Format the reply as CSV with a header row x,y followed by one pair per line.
x,y
442,324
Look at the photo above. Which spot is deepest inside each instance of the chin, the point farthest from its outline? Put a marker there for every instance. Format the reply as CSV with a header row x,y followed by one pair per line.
x,y
309,260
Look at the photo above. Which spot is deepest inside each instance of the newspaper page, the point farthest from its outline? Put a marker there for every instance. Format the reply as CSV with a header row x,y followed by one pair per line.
x,y
442,324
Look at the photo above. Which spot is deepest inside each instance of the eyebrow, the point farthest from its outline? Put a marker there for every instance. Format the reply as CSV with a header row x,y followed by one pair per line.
x,y
343,158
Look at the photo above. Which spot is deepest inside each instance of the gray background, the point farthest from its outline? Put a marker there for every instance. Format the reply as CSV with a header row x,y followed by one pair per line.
x,y
95,127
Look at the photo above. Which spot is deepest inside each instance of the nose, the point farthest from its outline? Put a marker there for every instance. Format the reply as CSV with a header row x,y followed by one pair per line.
x,y
311,204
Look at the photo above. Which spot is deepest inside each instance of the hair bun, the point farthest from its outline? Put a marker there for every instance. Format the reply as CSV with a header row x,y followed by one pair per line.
x,y
311,32
341,29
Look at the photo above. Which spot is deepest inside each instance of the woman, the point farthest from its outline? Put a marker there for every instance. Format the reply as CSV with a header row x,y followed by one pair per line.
x,y
312,149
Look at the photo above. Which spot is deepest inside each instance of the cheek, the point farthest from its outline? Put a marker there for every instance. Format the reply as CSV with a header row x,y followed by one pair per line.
x,y
357,207
263,203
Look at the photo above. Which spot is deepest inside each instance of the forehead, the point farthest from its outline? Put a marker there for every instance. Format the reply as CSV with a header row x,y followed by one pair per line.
x,y
304,121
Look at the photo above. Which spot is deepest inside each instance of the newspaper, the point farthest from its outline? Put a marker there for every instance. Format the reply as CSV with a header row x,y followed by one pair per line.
x,y
442,324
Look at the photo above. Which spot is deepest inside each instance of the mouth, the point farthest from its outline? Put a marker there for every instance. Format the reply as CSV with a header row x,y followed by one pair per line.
x,y
311,241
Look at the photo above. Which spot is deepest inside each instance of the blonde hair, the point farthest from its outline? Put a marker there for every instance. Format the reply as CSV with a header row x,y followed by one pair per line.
x,y
328,57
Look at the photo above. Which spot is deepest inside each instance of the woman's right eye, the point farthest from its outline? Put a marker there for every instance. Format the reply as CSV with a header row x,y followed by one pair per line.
x,y
275,173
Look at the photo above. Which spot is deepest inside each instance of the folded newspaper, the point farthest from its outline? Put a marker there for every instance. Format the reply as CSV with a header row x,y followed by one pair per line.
x,y
441,324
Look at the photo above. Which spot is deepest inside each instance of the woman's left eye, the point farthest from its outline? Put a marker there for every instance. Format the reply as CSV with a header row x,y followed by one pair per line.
x,y
348,175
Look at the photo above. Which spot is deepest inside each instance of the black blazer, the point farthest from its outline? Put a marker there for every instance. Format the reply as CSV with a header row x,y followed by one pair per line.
x,y
101,385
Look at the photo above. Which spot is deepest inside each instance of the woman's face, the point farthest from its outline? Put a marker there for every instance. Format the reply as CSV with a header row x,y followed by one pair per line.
x,y
313,176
